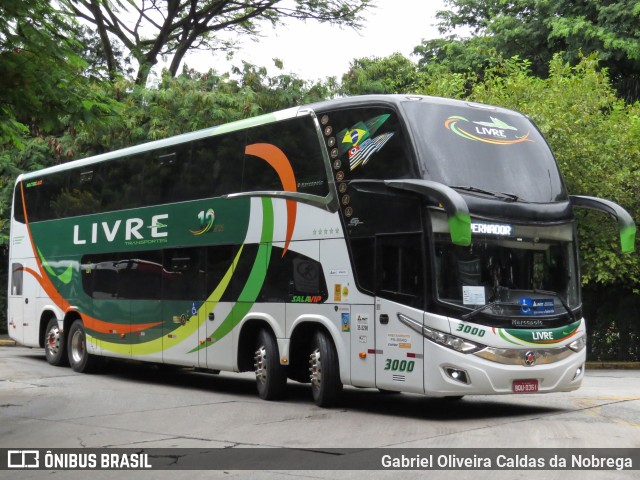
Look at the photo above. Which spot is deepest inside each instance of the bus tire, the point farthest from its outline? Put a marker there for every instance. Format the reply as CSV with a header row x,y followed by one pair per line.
x,y
55,349
79,357
324,371
271,378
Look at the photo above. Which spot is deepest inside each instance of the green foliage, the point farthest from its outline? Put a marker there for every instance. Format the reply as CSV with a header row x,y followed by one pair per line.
x,y
398,74
393,74
536,30
189,102
42,88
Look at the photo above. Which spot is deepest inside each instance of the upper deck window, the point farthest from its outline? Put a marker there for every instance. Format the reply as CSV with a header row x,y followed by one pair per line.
x,y
370,143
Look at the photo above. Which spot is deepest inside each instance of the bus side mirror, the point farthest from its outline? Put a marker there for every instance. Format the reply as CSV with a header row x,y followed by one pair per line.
x,y
452,202
625,220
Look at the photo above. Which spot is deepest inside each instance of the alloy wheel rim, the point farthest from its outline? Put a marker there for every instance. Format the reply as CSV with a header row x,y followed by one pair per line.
x,y
260,365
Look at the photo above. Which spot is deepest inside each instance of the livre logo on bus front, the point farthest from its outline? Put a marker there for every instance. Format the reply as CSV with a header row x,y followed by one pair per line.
x,y
495,132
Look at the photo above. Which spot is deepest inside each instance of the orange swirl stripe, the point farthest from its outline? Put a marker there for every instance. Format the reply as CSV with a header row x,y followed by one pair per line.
x,y
280,163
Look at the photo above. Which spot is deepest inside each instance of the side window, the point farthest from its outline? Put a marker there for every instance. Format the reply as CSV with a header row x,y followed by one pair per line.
x,y
364,258
299,150
215,168
16,279
45,197
219,259
162,175
83,195
293,278
133,276
370,144
183,277
122,187
399,268
379,214
18,210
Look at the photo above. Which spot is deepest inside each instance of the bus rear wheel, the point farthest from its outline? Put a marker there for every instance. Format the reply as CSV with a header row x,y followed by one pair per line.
x,y
324,371
54,346
271,379
79,357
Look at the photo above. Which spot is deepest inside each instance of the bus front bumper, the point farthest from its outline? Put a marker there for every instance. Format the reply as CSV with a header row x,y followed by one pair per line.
x,y
451,373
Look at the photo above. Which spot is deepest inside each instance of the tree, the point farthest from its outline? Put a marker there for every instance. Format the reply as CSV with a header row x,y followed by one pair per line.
x,y
149,29
42,87
38,59
535,30
392,74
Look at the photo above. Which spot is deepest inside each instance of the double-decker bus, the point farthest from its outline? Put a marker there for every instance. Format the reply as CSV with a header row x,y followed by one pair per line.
x,y
405,243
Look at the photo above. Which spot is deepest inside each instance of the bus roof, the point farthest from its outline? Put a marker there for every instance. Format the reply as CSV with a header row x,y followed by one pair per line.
x,y
394,100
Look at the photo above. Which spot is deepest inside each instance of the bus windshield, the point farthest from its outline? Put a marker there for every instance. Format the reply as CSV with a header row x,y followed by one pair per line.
x,y
519,271
495,152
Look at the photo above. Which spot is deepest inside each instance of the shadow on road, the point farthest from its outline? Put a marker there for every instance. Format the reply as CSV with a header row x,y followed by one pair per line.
x,y
353,399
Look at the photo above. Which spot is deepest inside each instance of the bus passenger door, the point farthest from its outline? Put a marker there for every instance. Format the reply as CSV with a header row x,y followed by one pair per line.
x,y
399,287
182,298
16,302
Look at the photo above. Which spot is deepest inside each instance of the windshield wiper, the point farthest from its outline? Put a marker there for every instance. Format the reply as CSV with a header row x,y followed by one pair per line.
x,y
564,303
512,197
473,313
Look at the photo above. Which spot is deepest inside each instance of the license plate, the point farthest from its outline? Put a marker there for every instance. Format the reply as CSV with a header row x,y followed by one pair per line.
x,y
525,386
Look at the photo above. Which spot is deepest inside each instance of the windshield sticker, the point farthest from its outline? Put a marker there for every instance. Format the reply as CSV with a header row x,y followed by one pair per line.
x,y
360,143
495,132
537,306
473,295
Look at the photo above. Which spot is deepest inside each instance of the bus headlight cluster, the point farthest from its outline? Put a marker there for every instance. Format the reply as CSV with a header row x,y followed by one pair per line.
x,y
451,341
579,344
446,340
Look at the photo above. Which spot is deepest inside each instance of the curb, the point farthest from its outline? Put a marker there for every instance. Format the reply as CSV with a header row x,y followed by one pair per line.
x,y
613,365
7,343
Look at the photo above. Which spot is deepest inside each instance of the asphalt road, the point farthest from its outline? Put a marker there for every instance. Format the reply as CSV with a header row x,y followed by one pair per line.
x,y
141,406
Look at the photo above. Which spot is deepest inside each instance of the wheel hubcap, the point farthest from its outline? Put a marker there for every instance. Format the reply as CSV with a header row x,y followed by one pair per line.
x,y
53,341
77,346
260,365
315,369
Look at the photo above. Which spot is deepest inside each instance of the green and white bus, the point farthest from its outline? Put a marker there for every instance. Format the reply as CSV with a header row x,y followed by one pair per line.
x,y
405,243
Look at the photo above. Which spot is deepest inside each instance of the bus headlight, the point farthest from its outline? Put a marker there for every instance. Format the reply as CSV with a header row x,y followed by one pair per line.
x,y
579,344
458,344
451,341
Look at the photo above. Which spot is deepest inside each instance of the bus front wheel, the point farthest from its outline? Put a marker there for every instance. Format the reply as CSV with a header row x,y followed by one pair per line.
x,y
79,357
54,347
271,378
324,371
